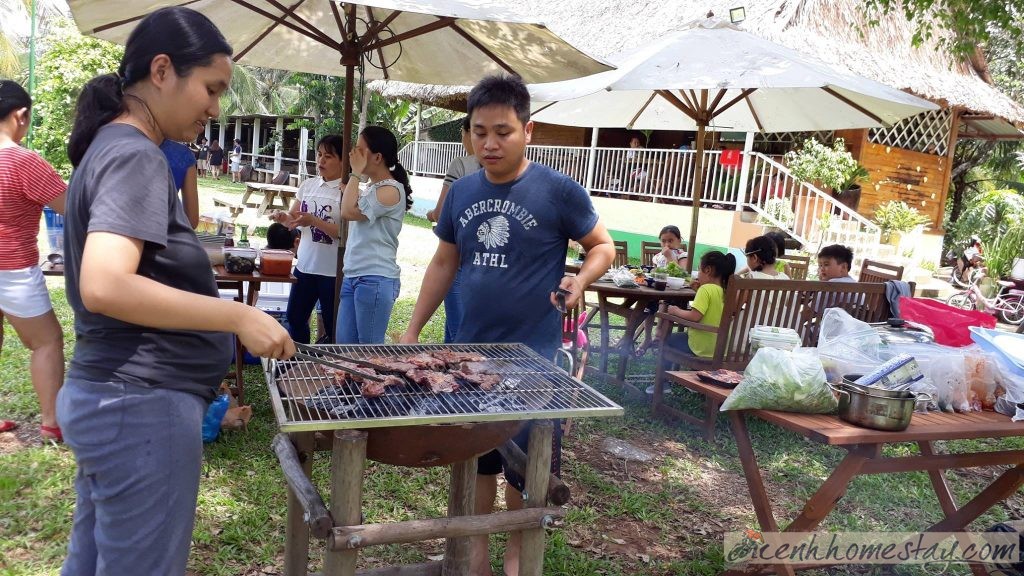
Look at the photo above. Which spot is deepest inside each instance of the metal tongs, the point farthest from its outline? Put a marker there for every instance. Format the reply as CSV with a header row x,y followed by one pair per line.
x,y
313,354
560,294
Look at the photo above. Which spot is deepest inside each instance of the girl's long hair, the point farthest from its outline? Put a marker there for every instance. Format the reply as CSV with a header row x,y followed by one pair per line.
x,y
187,37
724,265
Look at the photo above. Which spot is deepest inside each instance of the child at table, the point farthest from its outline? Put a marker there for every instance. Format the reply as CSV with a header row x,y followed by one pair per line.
x,y
707,307
671,248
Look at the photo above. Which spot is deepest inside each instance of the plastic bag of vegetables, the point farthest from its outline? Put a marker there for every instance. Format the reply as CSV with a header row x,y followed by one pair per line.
x,y
790,381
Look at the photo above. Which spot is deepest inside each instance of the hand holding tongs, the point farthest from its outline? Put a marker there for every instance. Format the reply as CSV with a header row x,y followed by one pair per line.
x,y
313,354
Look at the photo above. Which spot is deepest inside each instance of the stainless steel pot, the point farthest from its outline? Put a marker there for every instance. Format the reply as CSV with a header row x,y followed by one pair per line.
x,y
879,412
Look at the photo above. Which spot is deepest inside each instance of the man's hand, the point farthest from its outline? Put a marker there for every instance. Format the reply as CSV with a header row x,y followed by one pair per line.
x,y
432,215
409,338
572,285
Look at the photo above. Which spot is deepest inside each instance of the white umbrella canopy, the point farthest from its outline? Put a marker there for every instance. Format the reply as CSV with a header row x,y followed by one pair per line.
x,y
715,74
426,41
454,42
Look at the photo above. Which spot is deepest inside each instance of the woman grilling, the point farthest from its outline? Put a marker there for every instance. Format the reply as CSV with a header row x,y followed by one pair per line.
x,y
372,275
154,338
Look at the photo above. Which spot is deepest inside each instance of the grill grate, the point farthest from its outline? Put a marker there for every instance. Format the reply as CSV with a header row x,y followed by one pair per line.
x,y
306,399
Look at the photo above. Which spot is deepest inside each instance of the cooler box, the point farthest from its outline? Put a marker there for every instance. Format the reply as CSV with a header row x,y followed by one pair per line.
x,y
772,337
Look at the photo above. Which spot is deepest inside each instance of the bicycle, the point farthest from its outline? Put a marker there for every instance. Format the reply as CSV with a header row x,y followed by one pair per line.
x,y
1008,302
972,273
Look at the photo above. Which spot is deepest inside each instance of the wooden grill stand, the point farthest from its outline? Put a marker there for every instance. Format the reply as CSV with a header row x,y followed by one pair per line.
x,y
341,527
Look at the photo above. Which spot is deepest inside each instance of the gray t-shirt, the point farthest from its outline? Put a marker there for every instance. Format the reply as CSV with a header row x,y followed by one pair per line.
x,y
123,186
372,248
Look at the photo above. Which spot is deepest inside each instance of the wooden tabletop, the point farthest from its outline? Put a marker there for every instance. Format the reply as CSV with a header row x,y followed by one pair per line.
x,y
609,288
828,429
222,275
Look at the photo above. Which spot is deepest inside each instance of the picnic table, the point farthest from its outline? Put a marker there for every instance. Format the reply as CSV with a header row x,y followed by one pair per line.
x,y
632,308
230,281
270,197
864,456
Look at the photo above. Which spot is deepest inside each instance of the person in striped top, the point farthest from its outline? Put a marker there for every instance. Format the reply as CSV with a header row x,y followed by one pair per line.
x,y
27,183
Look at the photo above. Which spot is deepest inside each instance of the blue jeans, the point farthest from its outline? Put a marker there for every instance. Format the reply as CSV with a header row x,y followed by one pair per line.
x,y
452,311
366,303
310,289
139,452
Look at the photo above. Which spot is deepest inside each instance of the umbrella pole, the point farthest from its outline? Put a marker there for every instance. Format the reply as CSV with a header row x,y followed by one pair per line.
x,y
698,186
350,78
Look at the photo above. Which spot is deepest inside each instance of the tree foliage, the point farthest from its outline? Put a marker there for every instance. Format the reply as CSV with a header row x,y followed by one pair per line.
x,y
959,26
70,62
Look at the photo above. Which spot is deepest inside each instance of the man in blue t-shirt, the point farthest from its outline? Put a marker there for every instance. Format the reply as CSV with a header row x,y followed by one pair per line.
x,y
506,230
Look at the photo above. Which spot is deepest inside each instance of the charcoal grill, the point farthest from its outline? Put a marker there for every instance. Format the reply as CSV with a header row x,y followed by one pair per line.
x,y
532,387
415,427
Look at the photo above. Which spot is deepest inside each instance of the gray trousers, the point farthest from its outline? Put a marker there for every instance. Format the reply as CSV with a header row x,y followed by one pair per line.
x,y
139,454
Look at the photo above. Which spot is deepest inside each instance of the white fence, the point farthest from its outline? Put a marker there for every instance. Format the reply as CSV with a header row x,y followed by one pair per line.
x,y
807,213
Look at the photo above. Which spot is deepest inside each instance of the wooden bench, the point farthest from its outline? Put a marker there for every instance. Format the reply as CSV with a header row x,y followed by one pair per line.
x,y
234,207
752,302
875,271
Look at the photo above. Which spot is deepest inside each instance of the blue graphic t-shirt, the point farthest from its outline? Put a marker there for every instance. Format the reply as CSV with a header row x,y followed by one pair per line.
x,y
512,240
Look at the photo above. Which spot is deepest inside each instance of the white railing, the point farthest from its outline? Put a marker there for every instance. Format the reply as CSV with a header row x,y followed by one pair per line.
x,y
802,210
779,199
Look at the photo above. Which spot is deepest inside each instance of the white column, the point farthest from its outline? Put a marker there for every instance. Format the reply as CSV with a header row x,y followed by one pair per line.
x,y
416,139
206,131
221,129
238,131
591,160
303,151
279,133
257,126
748,148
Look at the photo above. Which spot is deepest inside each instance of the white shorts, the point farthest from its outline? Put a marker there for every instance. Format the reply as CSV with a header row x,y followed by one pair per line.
x,y
23,293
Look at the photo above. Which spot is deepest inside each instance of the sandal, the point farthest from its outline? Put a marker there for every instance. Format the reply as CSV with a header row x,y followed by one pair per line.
x,y
51,433
7,425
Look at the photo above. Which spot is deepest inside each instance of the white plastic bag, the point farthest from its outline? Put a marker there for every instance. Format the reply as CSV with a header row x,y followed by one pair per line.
x,y
783,380
847,345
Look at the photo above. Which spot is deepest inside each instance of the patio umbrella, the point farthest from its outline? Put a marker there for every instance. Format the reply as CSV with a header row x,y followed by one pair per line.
x,y
452,42
712,73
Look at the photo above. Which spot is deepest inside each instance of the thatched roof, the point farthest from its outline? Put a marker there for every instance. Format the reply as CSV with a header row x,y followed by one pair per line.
x,y
832,30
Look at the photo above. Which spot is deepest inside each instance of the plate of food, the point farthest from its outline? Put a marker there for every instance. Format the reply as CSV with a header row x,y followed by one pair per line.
x,y
722,377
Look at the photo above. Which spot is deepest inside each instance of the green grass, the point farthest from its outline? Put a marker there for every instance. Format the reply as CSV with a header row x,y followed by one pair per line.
x,y
670,519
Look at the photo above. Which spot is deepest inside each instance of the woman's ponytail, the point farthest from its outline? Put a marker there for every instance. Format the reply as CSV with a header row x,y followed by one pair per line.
x,y
724,265
101,100
398,171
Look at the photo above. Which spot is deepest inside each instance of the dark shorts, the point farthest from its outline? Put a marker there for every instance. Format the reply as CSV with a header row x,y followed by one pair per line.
x,y
492,463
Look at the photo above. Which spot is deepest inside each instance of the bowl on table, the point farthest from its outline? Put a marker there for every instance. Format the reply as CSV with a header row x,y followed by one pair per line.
x,y
676,283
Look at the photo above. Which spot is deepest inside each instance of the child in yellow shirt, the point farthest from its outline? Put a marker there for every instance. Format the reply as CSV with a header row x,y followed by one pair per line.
x,y
707,306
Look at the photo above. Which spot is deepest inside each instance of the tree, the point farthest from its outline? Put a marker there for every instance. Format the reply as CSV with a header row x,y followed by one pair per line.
x,y
959,26
256,90
70,62
16,29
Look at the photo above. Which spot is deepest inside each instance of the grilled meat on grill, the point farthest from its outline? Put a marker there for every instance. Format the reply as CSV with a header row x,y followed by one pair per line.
x,y
374,389
436,381
452,358
482,379
340,375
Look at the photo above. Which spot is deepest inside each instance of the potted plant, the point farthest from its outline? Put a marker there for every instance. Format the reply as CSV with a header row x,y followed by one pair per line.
x,y
831,167
896,218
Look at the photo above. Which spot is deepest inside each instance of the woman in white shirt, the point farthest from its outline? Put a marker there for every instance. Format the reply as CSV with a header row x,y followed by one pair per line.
x,y
315,213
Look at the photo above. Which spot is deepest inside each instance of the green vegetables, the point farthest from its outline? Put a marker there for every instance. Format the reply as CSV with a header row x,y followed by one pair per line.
x,y
783,380
673,270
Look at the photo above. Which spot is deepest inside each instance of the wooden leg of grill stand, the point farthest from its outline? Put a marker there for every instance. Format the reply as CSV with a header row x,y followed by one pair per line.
x,y
347,461
461,500
538,468
296,532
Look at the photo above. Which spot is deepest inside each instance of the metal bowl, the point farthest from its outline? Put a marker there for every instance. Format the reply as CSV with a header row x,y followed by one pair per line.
x,y
876,411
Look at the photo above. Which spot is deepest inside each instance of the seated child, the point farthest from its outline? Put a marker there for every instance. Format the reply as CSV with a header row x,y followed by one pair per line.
x,y
671,248
760,253
707,306
834,264
279,237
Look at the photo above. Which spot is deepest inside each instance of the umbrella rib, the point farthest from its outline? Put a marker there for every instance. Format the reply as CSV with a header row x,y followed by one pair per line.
x,y
380,53
746,92
854,105
691,103
241,54
110,25
718,98
673,100
377,26
425,29
313,29
337,20
757,120
641,110
483,49
287,24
